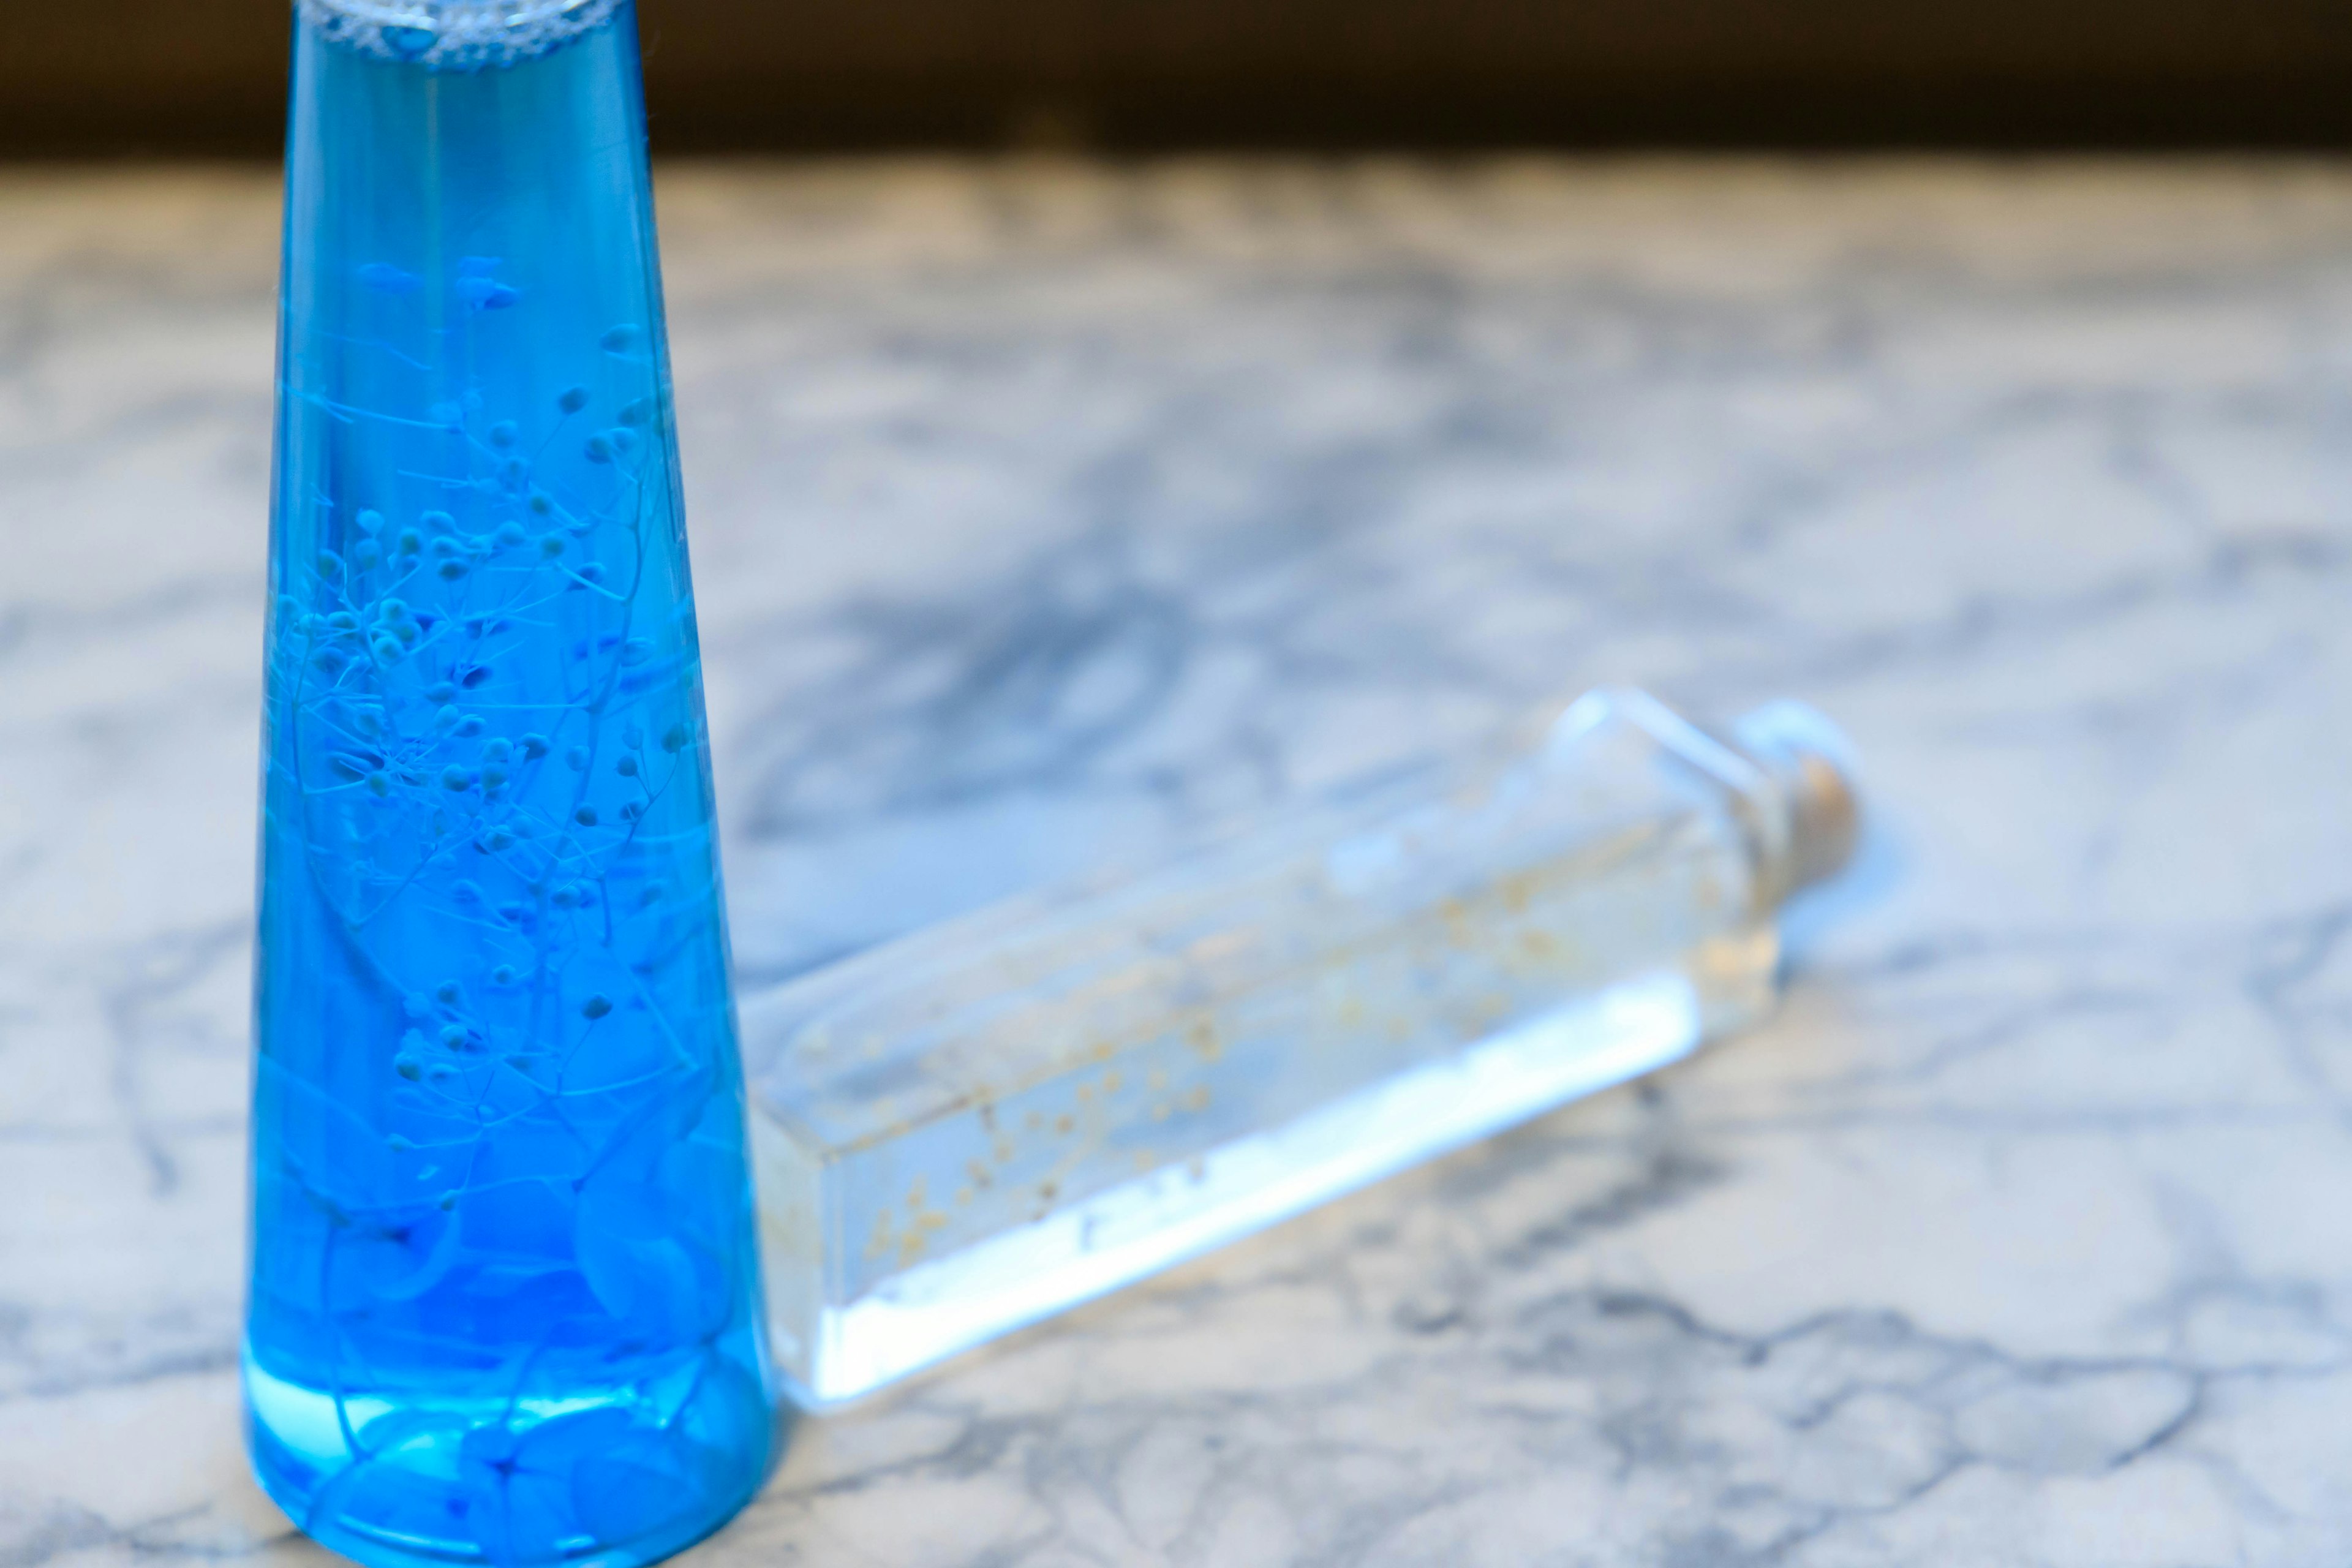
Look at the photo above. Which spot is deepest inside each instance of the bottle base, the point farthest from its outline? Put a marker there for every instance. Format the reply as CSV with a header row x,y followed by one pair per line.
x,y
592,1482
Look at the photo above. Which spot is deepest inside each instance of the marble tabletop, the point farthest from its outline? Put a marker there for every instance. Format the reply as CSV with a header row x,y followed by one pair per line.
x,y
1045,511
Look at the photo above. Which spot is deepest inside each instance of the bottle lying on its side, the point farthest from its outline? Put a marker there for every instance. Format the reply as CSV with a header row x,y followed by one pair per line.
x,y
970,1127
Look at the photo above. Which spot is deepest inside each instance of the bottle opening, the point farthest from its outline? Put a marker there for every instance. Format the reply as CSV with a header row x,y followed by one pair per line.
x,y
454,34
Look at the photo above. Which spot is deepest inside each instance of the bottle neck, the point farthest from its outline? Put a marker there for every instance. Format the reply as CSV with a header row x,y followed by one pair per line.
x,y
454,34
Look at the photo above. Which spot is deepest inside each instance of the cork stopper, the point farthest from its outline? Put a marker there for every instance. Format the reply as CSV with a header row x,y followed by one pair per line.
x,y
1813,764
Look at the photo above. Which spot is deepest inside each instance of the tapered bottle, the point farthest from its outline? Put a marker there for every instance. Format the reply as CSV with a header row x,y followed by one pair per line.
x,y
505,1305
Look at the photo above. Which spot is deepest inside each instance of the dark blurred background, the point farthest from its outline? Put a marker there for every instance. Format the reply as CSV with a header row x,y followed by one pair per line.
x,y
204,77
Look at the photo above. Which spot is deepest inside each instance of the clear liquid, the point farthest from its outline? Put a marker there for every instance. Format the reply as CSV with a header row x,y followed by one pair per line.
x,y
505,1301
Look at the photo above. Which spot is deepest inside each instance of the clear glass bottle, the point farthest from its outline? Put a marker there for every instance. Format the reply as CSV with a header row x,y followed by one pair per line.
x,y
964,1130
505,1300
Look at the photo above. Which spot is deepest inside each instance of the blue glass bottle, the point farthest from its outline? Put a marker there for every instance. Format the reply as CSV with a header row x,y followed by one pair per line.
x,y
504,1302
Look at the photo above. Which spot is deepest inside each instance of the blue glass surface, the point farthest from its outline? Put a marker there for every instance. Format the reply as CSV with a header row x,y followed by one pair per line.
x,y
504,1301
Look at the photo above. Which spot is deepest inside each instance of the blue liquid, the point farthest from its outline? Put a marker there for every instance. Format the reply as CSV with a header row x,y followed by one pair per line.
x,y
505,1300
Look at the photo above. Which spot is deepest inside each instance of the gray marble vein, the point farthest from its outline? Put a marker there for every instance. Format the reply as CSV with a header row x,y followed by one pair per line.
x,y
1043,513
